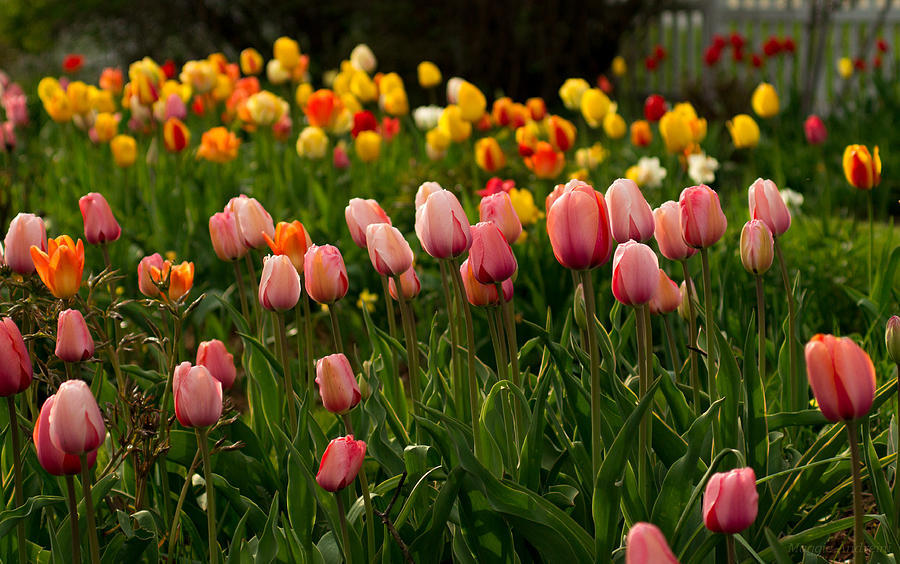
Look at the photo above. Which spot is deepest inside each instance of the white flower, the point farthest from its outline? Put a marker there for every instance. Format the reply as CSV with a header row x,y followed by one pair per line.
x,y
649,172
702,169
363,58
792,199
426,117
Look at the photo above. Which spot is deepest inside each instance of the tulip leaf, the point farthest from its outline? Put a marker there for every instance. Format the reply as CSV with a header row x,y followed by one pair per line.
x,y
779,552
728,386
755,422
267,549
11,517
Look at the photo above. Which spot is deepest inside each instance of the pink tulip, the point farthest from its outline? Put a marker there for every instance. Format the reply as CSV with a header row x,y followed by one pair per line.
x,y
337,383
253,220
635,273
667,297
360,214
53,460
16,107
226,236
482,295
667,219
757,247
442,226
73,340
340,159
766,205
175,108
8,134
578,226
279,285
841,375
409,283
388,250
25,230
551,198
99,224
491,258
498,208
76,425
815,130
15,364
702,220
425,190
220,363
145,282
630,215
646,544
340,463
324,274
730,501
198,396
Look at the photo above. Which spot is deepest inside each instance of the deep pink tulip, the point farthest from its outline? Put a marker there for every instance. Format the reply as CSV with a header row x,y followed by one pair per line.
x,y
53,460
15,364
841,375
646,544
389,252
667,297
279,285
360,214
145,282
25,230
482,295
635,273
325,274
766,205
337,383
220,363
667,230
578,226
198,396
702,220
815,131
498,208
73,340
730,501
100,226
76,425
175,108
491,258
442,226
409,283
630,215
226,236
253,220
757,247
425,190
340,463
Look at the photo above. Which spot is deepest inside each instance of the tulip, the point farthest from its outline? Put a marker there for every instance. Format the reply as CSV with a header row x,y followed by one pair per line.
x,y
363,121
180,278
367,146
471,102
111,80
99,224
892,339
572,91
226,236
25,231
579,228
324,274
635,273
630,214
429,74
561,133
215,357
815,131
488,155
491,258
767,205
481,295
667,223
340,159
198,396
744,131
218,145
287,52
730,501
594,106
437,141
702,220
676,132
388,250
452,123
498,208
73,339
76,425
312,143
841,375
546,162
145,279
291,239
614,125
176,135
61,267
765,100
363,58
15,368
251,61
862,169
341,462
645,544
409,284
426,189
360,214
106,126
337,383
254,222
667,297
52,459
641,136
654,107
124,150
442,226
279,285
757,247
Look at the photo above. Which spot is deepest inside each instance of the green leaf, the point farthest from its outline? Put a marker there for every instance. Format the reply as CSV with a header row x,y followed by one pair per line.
x,y
779,552
11,517
728,386
267,549
755,422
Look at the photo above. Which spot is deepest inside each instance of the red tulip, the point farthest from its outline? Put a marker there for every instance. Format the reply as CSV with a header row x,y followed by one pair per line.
x,y
279,285
841,375
363,121
635,273
409,283
388,250
99,224
578,226
226,236
360,214
253,220
730,501
198,396
220,363
630,215
337,383
654,107
76,425
766,205
667,297
646,544
667,224
702,220
324,274
442,226
15,364
498,208
340,463
53,460
73,340
491,258
25,230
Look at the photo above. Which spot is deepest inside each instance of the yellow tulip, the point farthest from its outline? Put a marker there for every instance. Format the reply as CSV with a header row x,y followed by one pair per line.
x,y
675,131
312,142
266,108
367,145
304,91
79,97
437,141
765,100
106,125
251,62
571,92
523,202
614,126
101,100
744,131
395,102
390,82
619,68
590,157
453,124
594,106
351,103
287,52
845,67
124,150
146,80
201,75
58,107
472,102
48,87
362,86
488,154
429,74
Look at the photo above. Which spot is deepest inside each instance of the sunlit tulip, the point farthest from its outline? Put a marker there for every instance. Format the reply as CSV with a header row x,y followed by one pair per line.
x,y
254,222
892,339
226,236
841,375
668,233
61,267
341,462
359,214
442,226
251,61
579,228
702,220
292,240
279,284
645,544
312,143
218,145
471,102
337,383
180,277
491,258
614,125
765,100
389,252
815,131
488,154
287,52
215,357
730,501
367,146
571,92
198,396
76,425
635,273
73,339
324,274
845,67
767,205
546,162
429,74
201,75
862,169
146,80
322,108
15,368
25,230
630,214
498,208
594,106
409,283
675,131
667,297
453,124
537,108
145,279
124,150
51,458
744,131
757,247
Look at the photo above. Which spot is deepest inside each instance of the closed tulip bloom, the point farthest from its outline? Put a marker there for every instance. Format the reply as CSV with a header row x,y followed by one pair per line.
x,y
442,226
388,250
757,247
409,283
630,215
220,363
26,230
471,101
76,425
106,126
453,124
614,125
654,107
368,146
491,258
841,376
429,74
667,297
251,62
561,133
176,135
340,463
641,136
744,131
702,220
286,52
337,383
73,340
676,132
425,190
51,458
360,214
537,108
862,169
325,274
198,396
226,236
15,364
291,239
572,91
635,273
594,106
312,142
488,154
218,145
253,221
99,224
765,100
892,339
279,285
579,229
767,205
645,544
482,295
815,131
730,501
124,150
684,308
61,267
668,233
545,161
145,278
498,208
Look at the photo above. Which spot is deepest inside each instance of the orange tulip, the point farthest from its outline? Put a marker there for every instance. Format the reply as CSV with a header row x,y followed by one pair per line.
x,y
545,162
322,108
862,169
218,145
291,239
180,278
60,268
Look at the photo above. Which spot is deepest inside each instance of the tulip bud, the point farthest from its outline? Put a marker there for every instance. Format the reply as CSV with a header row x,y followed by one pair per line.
x,y
442,226
279,285
15,364
635,273
215,357
337,383
841,376
815,131
579,229
52,459
429,74
251,61
340,463
409,283
498,209
360,214
388,250
198,396
667,297
684,308
252,219
226,236
145,280
730,501
646,544
892,339
702,220
99,224
757,247
292,240
76,425
767,205
744,131
73,340
367,146
25,231
491,258
324,274
629,213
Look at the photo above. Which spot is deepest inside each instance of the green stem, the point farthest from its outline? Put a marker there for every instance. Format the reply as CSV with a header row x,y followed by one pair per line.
x,y
412,349
710,339
596,415
253,286
495,341
670,340
452,319
345,536
729,543
859,556
897,463
367,499
389,306
17,469
336,329
761,329
510,325
793,381
692,338
173,359
69,374
871,208
310,353
89,509
203,445
173,531
73,519
239,278
643,470
281,338
472,381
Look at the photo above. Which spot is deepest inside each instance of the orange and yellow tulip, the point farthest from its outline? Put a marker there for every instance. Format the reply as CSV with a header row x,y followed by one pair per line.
x,y
218,145
61,267
861,168
180,278
176,135
489,155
